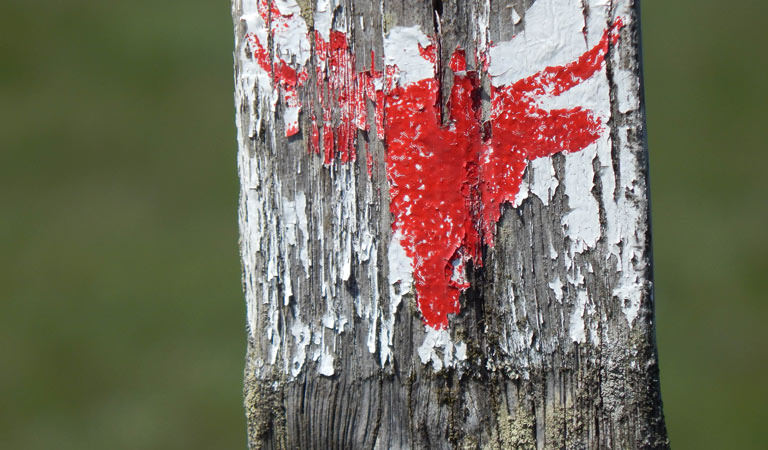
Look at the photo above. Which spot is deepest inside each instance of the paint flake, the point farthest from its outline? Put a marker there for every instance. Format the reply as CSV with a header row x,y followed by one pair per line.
x,y
439,350
325,365
576,328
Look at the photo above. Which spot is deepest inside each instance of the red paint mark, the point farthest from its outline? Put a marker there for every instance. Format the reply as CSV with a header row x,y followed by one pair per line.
x,y
260,54
432,171
458,61
447,182
429,52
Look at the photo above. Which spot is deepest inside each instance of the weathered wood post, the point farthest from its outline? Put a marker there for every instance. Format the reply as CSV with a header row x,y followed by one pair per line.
x,y
444,225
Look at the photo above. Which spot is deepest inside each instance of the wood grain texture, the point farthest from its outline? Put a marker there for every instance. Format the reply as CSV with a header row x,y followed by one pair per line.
x,y
546,367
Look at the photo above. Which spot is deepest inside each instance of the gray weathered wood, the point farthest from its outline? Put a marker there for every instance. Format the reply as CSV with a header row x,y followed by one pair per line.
x,y
530,379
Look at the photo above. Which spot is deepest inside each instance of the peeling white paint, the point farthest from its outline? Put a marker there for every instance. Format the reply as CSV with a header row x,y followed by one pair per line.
x,y
401,49
576,327
301,215
515,16
254,84
626,223
627,87
557,288
325,366
582,222
552,252
439,350
323,18
290,33
481,34
627,228
544,180
548,40
522,194
400,283
301,337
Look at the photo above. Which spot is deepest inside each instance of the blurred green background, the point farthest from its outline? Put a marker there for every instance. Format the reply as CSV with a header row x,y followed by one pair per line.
x,y
122,320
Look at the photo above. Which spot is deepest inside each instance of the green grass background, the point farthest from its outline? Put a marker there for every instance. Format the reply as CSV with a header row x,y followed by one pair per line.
x,y
122,319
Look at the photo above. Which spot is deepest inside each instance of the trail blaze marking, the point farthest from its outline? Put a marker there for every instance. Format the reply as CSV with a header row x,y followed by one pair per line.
x,y
447,182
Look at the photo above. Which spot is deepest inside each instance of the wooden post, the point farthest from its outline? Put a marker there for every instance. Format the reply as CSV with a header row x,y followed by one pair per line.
x,y
444,225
